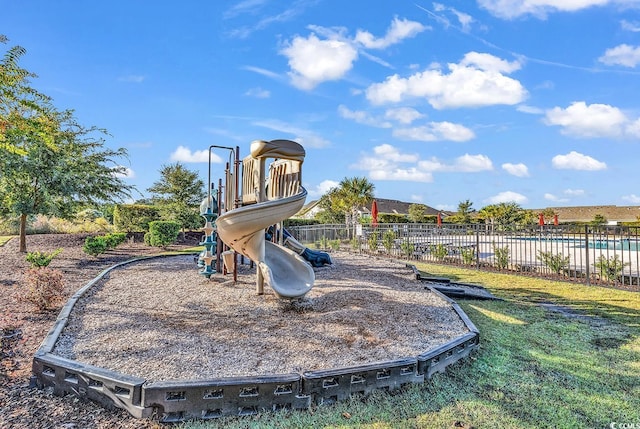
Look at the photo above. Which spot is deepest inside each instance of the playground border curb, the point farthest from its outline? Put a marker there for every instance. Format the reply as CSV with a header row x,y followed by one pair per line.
x,y
174,401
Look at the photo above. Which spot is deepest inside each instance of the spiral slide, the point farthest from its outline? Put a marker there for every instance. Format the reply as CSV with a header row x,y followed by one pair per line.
x,y
243,229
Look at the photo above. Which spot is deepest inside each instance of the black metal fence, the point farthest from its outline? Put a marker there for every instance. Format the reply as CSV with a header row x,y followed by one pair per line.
x,y
584,253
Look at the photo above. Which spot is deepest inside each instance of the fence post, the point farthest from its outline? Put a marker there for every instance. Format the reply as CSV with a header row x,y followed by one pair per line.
x,y
586,249
477,250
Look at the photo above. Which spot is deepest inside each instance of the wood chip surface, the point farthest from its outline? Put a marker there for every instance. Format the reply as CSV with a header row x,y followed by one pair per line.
x,y
161,320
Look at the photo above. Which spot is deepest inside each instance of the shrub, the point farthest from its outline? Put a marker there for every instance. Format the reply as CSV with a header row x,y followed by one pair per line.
x,y
407,248
372,241
355,244
335,244
610,268
45,287
162,233
439,251
555,263
115,239
388,240
94,246
41,259
134,217
323,243
468,255
501,256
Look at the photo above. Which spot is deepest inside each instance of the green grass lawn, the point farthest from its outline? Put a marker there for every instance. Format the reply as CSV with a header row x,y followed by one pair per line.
x,y
537,367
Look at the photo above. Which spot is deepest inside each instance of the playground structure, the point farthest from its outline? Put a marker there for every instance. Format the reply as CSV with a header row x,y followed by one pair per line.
x,y
243,221
246,217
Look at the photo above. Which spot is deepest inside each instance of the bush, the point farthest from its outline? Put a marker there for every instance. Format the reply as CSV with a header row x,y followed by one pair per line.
x,y
94,246
502,256
407,248
439,251
610,268
41,259
468,255
388,240
372,241
45,287
115,239
162,233
134,217
555,263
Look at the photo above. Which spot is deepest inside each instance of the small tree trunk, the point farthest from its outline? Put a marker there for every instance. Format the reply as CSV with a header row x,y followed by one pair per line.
x,y
23,234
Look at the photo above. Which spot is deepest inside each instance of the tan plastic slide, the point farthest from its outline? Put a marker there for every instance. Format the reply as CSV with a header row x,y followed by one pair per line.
x,y
243,229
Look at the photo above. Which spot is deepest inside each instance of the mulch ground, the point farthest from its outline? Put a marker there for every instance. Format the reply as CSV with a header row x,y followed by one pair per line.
x,y
23,328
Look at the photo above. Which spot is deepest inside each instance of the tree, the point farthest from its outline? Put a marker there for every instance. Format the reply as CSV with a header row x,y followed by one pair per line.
x,y
599,219
464,211
49,164
348,197
178,193
417,213
503,215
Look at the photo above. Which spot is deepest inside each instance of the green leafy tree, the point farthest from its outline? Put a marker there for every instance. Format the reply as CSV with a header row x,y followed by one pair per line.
x,y
49,163
178,194
502,215
599,219
417,213
465,208
352,194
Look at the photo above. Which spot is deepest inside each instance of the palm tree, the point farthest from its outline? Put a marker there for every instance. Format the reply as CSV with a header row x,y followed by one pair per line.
x,y
351,194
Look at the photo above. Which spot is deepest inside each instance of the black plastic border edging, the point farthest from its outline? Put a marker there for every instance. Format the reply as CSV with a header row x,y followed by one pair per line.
x,y
173,401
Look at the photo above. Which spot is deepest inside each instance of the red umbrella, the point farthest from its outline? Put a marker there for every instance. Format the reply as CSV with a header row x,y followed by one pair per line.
x,y
555,220
374,213
541,219
439,219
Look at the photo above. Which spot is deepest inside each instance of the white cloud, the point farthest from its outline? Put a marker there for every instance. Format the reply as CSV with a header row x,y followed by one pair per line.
x,y
633,26
417,198
392,153
402,174
362,117
384,164
263,72
577,161
400,29
518,170
623,55
184,154
574,192
529,109
124,173
258,93
132,78
590,121
307,138
313,61
477,81
435,131
321,189
631,198
404,115
507,197
554,198
463,164
509,9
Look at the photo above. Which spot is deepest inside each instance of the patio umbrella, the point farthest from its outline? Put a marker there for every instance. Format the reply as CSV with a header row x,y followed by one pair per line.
x,y
439,219
374,213
555,220
541,219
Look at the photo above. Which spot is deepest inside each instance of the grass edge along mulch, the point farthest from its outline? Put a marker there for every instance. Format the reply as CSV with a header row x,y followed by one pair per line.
x,y
552,355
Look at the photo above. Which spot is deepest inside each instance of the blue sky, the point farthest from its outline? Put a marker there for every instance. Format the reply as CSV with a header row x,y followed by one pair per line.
x,y
532,101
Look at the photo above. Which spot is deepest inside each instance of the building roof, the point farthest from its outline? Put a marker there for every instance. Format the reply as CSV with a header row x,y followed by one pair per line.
x,y
587,213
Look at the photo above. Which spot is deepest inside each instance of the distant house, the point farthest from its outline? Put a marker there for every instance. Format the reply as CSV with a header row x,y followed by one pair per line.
x,y
613,214
384,206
